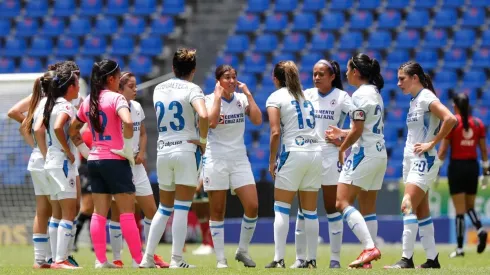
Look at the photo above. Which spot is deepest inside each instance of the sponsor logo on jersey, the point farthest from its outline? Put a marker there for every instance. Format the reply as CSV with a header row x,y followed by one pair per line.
x,y
412,117
238,104
207,180
325,114
72,182
358,115
300,141
379,146
230,119
333,102
162,144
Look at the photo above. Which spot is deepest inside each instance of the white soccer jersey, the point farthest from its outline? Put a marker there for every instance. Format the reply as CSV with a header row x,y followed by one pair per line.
x,y
175,116
422,125
38,114
368,106
297,121
330,110
226,140
137,115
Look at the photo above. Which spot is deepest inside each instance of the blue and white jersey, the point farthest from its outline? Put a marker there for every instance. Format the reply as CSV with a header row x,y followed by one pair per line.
x,y
137,115
330,110
297,122
368,107
422,124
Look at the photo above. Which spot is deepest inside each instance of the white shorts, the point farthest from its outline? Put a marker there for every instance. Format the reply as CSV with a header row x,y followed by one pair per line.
x,y
299,171
141,181
63,186
177,168
365,172
331,169
41,183
224,174
421,171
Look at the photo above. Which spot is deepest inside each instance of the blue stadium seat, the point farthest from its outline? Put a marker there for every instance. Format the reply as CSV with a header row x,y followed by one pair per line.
x,y
474,17
436,38
91,7
133,25
294,42
36,8
341,4
4,27
309,60
481,58
304,22
453,3
64,8
351,40
313,5
417,19
397,4
361,20
427,58
94,45
370,53
144,7
41,46
54,60
332,21
79,26
105,26
455,58
285,5
257,6
282,56
474,79
446,79
85,63
485,99
470,92
247,23
267,81
397,114
379,40
265,43
27,27
394,170
248,79
122,64
442,94
67,46
259,154
389,19
53,26
445,18
7,65
464,38
341,57
322,41
485,38
14,47
425,4
390,77
369,5
163,25
140,65
117,7
276,22
255,63
407,39
173,7
30,65
306,79
9,8
396,58
482,113
122,45
151,46
228,59
479,3
209,84
237,43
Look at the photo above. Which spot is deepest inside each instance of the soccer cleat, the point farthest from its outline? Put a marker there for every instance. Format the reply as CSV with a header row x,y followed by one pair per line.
x,y
482,241
366,256
222,264
148,262
334,264
310,264
180,264
366,266
64,265
106,265
431,263
298,264
276,264
72,260
43,264
203,249
158,260
457,253
403,263
50,261
245,259
118,263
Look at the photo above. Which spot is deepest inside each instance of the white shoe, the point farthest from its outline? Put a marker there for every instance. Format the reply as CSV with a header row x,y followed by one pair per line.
x,y
203,249
180,264
104,265
147,262
222,264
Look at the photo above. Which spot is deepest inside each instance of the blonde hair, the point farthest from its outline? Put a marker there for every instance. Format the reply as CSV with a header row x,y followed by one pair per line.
x,y
184,62
41,86
287,73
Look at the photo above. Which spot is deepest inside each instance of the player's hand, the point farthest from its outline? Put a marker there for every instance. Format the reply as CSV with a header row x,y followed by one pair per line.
x,y
341,157
126,152
70,156
243,87
199,186
272,169
202,146
420,148
333,133
337,142
218,90
140,158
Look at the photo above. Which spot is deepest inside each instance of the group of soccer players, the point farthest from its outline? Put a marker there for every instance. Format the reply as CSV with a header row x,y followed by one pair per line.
x,y
307,152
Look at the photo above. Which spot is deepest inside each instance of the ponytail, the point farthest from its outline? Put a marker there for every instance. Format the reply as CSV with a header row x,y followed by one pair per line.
x,y
428,83
376,78
463,103
58,87
412,68
368,68
287,74
37,94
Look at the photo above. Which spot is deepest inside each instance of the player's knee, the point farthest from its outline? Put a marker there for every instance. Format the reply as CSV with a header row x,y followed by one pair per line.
x,y
218,212
252,209
340,205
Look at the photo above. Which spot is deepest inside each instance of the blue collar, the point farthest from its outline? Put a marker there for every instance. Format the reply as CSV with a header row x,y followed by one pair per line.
x,y
324,95
231,99
417,94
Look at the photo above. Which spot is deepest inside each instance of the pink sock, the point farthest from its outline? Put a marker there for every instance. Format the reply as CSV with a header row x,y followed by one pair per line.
x,y
131,235
98,234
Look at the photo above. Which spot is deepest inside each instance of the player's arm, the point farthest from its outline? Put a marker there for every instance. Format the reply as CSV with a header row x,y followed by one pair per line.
x,y
353,135
28,138
252,110
127,121
17,111
275,125
142,144
40,135
443,149
59,131
200,107
76,137
216,108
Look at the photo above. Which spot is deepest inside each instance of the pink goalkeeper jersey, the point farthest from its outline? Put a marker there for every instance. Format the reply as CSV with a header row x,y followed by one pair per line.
x,y
111,137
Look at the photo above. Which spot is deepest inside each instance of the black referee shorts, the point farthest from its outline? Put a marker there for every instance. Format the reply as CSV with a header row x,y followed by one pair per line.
x,y
463,176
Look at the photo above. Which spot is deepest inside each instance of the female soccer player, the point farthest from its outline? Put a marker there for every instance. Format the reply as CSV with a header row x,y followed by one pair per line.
x,y
331,104
176,101
364,170
428,122
463,169
299,167
106,110
225,163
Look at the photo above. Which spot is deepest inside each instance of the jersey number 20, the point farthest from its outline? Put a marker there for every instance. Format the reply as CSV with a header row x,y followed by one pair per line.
x,y
160,109
309,122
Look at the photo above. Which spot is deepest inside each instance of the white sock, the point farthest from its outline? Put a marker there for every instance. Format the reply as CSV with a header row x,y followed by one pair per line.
x,y
53,236
281,228
300,237
72,241
358,226
157,227
179,228
335,232
41,244
410,228
218,234
48,247
372,225
64,239
246,232
312,229
146,228
115,235
426,232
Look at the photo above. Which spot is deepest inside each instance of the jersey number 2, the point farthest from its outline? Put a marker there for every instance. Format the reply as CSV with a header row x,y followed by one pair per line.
x,y
160,109
309,122
376,128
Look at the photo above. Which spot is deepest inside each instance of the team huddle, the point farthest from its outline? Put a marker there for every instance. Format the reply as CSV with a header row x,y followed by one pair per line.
x,y
308,148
